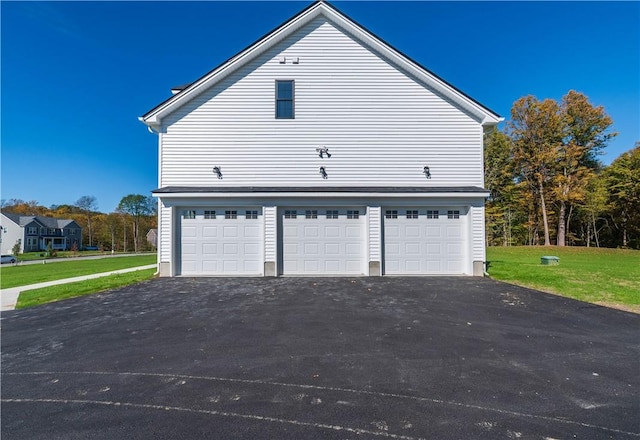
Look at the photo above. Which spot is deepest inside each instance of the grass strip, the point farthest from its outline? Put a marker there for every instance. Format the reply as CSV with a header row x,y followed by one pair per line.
x,y
45,295
601,276
22,275
30,256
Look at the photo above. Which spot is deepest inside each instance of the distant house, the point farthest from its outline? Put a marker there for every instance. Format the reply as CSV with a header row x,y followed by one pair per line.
x,y
152,237
36,233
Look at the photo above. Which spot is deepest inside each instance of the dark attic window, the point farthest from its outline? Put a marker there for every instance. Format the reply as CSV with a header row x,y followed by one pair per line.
x,y
284,99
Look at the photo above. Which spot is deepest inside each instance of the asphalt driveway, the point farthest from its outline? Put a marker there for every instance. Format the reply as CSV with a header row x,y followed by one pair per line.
x,y
316,358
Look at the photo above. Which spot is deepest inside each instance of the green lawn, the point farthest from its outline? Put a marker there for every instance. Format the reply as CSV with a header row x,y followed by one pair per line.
x,y
21,275
602,276
30,256
55,293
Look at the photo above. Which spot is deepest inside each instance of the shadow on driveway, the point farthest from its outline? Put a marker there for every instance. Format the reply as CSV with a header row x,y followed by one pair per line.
x,y
292,358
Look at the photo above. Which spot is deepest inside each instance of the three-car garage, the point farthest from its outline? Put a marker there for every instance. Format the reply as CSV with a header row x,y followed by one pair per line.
x,y
317,240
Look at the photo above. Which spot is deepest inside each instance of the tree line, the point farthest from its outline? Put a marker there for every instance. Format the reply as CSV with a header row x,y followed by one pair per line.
x,y
547,184
123,230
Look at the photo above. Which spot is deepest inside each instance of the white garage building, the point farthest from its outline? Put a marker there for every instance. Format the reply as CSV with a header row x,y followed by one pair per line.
x,y
320,150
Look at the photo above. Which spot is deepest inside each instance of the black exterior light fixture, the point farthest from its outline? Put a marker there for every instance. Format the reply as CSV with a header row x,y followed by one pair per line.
x,y
217,172
322,151
426,172
323,173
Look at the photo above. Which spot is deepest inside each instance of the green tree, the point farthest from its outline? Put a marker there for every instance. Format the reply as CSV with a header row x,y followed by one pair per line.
x,y
136,206
585,134
17,247
88,204
536,133
623,180
499,180
594,207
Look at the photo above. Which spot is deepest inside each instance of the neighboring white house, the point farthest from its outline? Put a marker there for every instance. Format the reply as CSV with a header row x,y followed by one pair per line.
x,y
152,237
36,233
320,150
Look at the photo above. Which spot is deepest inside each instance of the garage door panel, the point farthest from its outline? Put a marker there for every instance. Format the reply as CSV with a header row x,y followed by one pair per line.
x,y
311,231
311,249
424,240
413,266
454,249
209,266
189,231
333,266
323,241
209,249
291,267
230,266
251,266
434,232
392,266
332,231
412,232
230,249
353,231
229,243
412,248
392,248
311,266
454,266
291,248
189,249
230,232
251,232
209,232
392,231
433,249
353,249
189,266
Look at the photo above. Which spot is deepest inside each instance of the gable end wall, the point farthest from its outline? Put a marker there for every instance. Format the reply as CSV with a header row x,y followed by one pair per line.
x,y
381,126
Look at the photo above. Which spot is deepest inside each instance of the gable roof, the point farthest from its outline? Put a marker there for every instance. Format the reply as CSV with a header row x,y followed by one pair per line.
x,y
50,222
183,94
13,217
47,222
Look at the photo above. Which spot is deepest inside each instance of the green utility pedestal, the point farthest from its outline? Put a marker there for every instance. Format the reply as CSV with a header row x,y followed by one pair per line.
x,y
549,261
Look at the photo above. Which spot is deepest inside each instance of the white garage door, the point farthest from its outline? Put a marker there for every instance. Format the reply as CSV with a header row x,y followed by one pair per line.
x,y
323,241
221,241
424,241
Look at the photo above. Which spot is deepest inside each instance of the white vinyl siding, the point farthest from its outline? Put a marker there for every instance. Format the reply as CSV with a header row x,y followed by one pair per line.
x,y
477,233
270,235
375,235
367,112
164,233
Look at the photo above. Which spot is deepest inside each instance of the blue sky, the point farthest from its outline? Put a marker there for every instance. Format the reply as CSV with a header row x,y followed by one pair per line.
x,y
75,76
